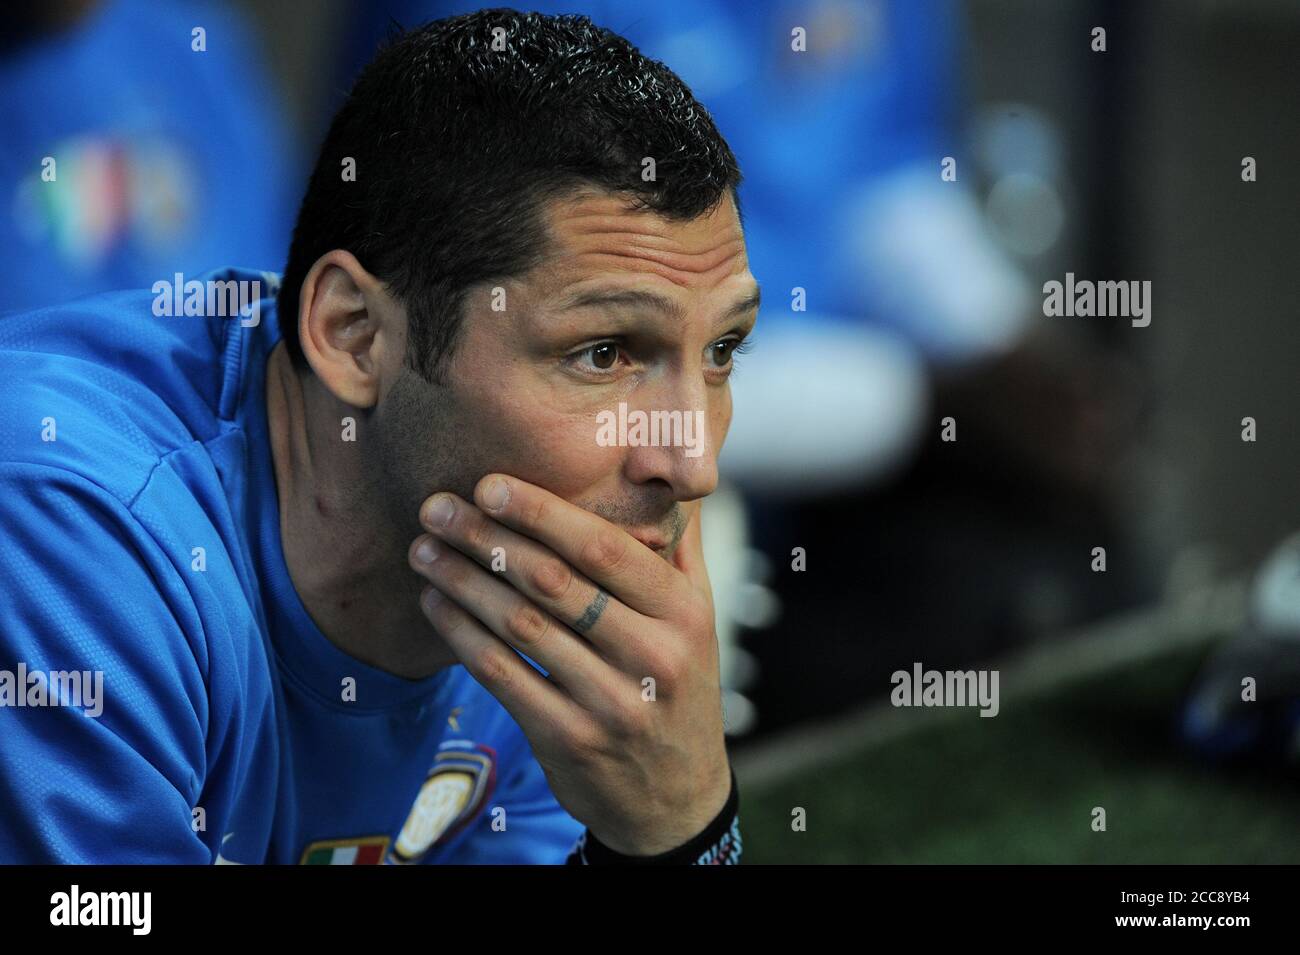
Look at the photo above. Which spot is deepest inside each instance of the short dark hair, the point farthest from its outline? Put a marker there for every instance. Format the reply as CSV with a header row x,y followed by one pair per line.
x,y
457,145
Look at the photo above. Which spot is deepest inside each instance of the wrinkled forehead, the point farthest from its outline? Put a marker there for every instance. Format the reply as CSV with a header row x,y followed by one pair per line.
x,y
599,240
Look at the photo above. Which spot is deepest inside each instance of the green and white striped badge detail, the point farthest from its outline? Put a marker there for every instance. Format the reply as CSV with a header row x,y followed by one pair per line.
x,y
364,851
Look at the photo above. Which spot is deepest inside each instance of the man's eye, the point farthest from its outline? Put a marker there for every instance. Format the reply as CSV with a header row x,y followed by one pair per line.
x,y
721,352
604,355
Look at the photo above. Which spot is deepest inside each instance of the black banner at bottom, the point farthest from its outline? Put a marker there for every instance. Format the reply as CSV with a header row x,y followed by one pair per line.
x,y
209,904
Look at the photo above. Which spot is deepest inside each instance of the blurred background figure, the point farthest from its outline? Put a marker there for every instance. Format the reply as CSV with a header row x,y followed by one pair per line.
x,y
140,139
1245,704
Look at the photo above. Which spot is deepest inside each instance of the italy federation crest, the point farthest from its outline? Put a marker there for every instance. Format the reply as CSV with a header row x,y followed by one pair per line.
x,y
459,783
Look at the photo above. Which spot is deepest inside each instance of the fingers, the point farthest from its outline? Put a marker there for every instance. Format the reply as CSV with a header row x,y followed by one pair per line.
x,y
504,611
538,574
534,703
610,557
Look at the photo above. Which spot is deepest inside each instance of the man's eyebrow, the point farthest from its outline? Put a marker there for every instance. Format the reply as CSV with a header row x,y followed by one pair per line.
x,y
750,301
648,299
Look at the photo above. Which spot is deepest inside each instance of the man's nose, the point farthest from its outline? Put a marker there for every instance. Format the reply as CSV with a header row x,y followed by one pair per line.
x,y
679,448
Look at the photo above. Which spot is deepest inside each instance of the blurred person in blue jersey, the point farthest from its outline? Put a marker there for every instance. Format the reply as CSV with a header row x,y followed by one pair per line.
x,y
355,568
141,139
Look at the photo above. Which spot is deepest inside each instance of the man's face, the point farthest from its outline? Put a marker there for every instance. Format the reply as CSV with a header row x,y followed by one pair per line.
x,y
630,309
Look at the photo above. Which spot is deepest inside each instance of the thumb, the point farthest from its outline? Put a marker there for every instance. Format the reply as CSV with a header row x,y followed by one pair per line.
x,y
689,556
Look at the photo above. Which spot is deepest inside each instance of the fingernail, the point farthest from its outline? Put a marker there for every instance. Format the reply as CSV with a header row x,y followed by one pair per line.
x,y
431,599
495,495
427,552
439,512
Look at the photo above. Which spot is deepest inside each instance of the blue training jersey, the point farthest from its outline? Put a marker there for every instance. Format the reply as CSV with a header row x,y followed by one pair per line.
x,y
164,695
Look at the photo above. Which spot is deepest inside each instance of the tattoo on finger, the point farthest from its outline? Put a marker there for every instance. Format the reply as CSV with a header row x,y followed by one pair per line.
x,y
592,613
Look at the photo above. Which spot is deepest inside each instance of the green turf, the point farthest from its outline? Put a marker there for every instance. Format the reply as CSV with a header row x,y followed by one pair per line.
x,y
1020,788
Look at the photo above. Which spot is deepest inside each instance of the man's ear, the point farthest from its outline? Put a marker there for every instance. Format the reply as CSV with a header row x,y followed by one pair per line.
x,y
347,324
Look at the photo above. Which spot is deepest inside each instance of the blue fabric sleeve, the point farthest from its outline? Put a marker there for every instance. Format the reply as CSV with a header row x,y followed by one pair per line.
x,y
86,588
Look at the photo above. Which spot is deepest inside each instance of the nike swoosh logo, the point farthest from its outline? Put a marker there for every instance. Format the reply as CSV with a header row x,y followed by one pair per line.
x,y
219,859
